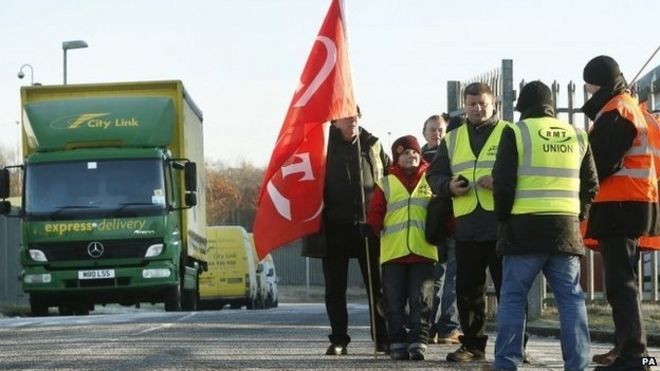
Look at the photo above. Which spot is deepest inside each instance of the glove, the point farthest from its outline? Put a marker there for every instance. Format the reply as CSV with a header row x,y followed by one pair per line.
x,y
366,230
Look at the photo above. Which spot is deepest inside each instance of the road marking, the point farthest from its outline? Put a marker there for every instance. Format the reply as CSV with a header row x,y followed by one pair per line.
x,y
164,325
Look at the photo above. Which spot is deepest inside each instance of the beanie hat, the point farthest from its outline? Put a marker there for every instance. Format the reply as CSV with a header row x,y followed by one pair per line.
x,y
601,71
533,94
402,144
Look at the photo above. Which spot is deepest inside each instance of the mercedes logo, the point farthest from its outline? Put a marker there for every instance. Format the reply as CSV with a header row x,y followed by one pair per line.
x,y
95,249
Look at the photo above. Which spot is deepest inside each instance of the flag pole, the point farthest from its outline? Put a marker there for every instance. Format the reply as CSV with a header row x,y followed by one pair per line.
x,y
370,294
634,80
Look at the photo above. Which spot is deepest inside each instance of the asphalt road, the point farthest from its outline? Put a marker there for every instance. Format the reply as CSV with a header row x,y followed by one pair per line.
x,y
291,337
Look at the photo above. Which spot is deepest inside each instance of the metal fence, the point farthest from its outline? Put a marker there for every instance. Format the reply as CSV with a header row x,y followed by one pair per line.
x,y
500,81
294,269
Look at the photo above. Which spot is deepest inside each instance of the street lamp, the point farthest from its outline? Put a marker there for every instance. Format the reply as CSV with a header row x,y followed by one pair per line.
x,y
74,44
21,74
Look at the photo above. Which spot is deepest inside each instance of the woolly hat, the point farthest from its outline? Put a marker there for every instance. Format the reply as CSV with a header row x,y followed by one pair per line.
x,y
533,94
404,143
601,71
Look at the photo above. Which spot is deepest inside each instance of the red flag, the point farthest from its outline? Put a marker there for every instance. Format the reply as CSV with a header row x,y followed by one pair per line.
x,y
291,197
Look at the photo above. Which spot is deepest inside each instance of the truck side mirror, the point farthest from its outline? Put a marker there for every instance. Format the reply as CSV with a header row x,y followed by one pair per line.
x,y
190,176
191,199
4,183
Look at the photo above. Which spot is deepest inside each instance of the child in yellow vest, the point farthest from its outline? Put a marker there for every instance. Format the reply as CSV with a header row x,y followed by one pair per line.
x,y
398,214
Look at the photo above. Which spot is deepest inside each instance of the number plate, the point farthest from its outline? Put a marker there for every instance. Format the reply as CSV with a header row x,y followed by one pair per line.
x,y
96,274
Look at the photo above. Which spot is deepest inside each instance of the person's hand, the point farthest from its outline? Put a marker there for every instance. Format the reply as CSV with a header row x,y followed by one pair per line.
x,y
366,230
458,187
486,182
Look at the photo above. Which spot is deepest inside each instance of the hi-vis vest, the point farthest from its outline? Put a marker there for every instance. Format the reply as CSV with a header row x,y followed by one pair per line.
x,y
653,127
637,180
463,162
550,153
405,220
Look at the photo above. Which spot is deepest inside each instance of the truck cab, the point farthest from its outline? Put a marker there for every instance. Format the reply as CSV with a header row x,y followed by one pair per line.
x,y
110,208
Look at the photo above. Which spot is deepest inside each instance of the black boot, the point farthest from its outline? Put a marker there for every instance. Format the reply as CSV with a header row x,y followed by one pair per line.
x,y
472,349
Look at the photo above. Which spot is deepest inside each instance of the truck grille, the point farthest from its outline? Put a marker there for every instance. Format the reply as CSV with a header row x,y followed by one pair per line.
x,y
108,282
112,249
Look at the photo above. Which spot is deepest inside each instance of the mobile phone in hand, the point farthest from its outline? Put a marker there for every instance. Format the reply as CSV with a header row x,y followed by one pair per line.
x,y
464,181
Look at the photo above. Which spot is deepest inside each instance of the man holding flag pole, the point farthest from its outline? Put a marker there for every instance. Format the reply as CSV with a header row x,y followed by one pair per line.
x,y
319,179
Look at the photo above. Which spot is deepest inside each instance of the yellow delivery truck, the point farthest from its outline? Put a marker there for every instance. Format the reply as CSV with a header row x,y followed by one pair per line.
x,y
231,277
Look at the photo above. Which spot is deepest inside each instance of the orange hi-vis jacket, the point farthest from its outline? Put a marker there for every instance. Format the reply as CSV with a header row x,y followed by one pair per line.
x,y
653,126
638,179
648,242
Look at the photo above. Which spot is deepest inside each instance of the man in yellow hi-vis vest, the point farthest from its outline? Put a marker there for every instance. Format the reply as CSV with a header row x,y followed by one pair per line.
x,y
462,170
544,179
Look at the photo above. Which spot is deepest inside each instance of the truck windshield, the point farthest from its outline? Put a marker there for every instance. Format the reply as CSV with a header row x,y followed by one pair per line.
x,y
95,188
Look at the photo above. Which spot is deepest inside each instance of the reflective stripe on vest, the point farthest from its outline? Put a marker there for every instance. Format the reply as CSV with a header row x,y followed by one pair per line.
x,y
405,220
653,134
550,154
637,180
376,162
463,162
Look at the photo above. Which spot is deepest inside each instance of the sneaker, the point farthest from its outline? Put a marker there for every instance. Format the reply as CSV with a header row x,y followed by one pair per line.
x,y
464,354
450,338
416,355
336,350
606,358
399,355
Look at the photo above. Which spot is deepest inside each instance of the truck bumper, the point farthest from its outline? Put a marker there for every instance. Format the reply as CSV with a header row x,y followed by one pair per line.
x,y
128,286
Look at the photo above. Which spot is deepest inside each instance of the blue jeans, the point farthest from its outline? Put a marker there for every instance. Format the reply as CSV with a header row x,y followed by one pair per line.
x,y
563,273
410,284
444,316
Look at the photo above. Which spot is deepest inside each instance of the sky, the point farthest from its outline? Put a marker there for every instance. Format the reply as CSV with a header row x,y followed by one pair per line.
x,y
241,60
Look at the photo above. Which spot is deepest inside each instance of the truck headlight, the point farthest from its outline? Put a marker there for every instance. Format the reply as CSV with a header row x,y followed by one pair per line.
x,y
154,250
38,255
156,273
37,278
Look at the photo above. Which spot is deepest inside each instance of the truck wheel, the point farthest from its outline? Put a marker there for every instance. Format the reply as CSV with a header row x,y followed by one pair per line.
x,y
38,307
173,299
190,299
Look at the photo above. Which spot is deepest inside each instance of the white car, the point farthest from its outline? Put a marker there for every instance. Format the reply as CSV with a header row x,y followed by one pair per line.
x,y
271,279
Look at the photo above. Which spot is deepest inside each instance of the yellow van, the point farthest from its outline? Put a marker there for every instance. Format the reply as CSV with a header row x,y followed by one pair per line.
x,y
231,277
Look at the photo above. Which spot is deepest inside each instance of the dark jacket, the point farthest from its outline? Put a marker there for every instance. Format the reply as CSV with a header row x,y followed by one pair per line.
x,y
480,225
342,197
428,153
533,233
610,137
